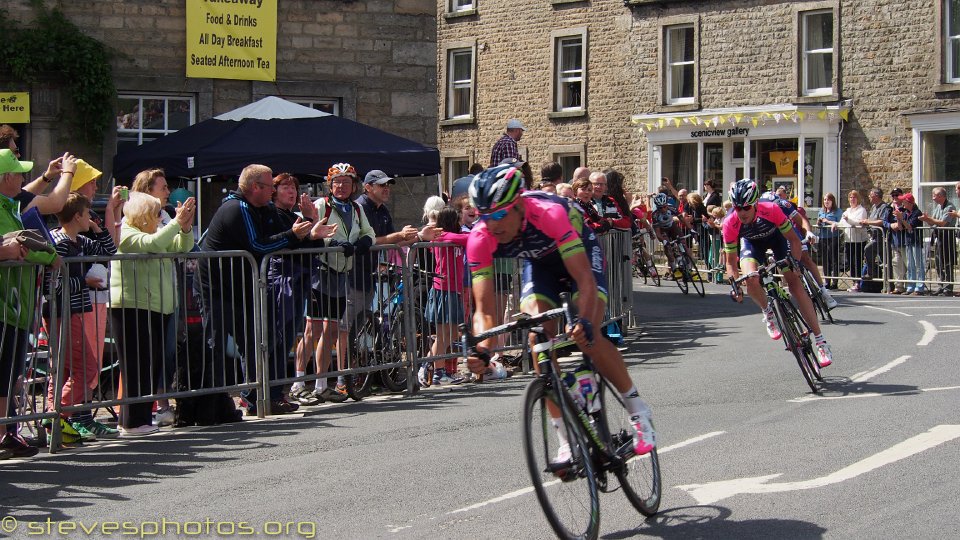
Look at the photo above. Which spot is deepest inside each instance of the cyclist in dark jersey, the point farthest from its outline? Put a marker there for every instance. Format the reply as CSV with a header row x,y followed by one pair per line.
x,y
560,253
754,227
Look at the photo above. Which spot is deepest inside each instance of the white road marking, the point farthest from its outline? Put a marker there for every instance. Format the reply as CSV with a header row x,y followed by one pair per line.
x,y
930,331
808,399
524,491
890,310
717,491
878,371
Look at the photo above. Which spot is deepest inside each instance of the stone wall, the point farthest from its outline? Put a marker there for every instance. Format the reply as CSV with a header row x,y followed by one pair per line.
x,y
377,56
888,66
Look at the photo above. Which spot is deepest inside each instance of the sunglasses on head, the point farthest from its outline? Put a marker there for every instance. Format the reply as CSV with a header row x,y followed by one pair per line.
x,y
744,208
495,216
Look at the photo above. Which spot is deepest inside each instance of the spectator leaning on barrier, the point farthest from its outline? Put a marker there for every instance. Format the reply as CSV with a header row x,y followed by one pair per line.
x,y
943,218
82,362
142,300
506,146
355,236
876,247
246,221
18,293
829,239
907,244
855,236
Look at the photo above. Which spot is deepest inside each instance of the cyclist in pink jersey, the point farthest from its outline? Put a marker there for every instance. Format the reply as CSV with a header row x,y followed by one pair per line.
x,y
754,227
559,253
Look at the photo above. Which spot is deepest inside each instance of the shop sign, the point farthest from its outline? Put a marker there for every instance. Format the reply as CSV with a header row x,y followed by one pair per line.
x,y
720,132
14,108
232,39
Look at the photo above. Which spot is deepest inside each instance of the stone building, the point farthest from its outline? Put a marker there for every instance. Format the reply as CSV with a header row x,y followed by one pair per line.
x,y
818,96
373,61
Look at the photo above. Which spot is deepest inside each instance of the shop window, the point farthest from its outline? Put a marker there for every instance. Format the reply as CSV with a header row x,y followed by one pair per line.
x,y
569,75
460,83
142,119
812,173
817,48
680,68
327,105
951,34
713,163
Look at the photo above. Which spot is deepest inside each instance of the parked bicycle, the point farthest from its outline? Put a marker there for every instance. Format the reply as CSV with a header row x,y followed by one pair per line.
x,y
797,336
643,266
377,337
684,263
597,428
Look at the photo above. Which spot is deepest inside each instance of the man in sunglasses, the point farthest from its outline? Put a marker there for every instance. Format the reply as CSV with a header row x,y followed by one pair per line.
x,y
754,227
560,253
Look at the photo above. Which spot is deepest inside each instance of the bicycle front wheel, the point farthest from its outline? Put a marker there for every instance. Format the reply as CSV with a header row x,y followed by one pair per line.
x,y
788,321
640,475
361,351
567,489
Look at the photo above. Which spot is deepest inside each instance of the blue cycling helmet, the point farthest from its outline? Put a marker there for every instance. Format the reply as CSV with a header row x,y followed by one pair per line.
x,y
496,188
660,201
744,192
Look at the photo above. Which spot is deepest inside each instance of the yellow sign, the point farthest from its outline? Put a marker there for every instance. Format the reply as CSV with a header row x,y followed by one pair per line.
x,y
232,39
15,108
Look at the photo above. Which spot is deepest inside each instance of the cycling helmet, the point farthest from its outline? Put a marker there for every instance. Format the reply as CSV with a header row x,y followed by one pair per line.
x,y
744,192
660,200
496,188
341,169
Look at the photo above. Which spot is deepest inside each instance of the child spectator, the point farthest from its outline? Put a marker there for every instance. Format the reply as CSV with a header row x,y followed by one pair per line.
x,y
81,363
444,302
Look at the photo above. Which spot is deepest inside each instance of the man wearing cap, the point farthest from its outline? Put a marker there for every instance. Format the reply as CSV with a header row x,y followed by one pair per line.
x,y
907,245
942,219
32,194
18,288
506,146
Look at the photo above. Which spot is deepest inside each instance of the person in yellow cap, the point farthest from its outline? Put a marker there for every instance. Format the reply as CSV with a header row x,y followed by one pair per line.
x,y
18,287
85,183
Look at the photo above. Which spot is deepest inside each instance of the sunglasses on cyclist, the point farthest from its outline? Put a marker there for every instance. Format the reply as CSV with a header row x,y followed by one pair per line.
x,y
744,208
495,216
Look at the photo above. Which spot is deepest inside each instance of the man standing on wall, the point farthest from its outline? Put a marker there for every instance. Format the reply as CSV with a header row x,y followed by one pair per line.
x,y
506,146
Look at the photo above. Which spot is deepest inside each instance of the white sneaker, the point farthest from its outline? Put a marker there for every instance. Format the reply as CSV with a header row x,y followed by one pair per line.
x,y
422,376
165,417
644,437
563,454
770,321
138,431
831,303
824,355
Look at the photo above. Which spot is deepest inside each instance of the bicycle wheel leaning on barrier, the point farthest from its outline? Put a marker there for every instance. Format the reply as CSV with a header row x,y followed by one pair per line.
x,y
362,354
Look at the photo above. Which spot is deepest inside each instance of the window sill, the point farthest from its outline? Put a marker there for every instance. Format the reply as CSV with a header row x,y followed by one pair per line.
x,y
458,14
823,98
457,121
557,115
565,2
684,107
947,87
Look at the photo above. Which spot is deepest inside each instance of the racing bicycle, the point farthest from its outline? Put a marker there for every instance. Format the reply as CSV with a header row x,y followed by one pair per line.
x,y
600,439
685,264
643,266
796,333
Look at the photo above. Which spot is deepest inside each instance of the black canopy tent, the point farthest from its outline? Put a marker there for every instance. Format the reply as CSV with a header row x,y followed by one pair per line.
x,y
281,135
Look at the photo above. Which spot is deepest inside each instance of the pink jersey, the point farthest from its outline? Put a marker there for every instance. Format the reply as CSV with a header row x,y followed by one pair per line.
x,y
768,221
449,265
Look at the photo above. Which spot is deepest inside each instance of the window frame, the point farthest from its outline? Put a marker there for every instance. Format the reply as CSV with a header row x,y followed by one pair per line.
x,y
127,134
664,101
947,77
806,53
558,152
312,102
454,9
557,78
449,50
669,98
824,95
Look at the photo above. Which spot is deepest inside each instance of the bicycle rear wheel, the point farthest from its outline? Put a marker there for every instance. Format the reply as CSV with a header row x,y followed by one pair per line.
x,y
680,261
640,475
567,492
361,355
790,328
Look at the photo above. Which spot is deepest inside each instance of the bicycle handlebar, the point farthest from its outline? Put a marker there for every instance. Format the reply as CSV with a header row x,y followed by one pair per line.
x,y
786,263
567,311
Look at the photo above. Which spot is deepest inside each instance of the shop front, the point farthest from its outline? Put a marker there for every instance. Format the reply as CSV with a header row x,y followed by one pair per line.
x,y
936,154
794,147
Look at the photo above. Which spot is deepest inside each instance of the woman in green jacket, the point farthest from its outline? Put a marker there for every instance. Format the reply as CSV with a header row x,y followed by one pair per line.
x,y
142,300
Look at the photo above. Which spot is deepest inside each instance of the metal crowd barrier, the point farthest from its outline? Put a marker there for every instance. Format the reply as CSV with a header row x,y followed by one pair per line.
x,y
239,327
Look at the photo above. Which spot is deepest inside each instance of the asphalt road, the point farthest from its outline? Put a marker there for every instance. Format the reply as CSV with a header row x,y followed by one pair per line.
x,y
746,450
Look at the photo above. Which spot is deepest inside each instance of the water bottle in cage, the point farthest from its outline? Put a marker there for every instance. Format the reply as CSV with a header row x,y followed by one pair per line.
x,y
587,384
574,385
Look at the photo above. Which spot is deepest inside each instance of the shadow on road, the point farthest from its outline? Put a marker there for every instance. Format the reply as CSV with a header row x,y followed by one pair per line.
x,y
715,522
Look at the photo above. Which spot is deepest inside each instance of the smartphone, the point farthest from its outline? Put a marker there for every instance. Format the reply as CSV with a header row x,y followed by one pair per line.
x,y
124,194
